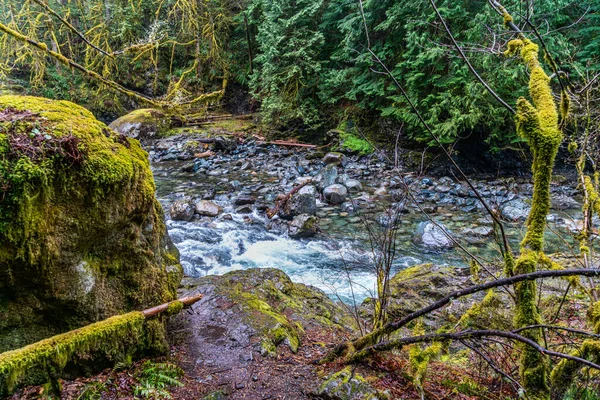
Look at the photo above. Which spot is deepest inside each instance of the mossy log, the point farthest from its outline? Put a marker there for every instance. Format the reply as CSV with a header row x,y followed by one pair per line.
x,y
92,347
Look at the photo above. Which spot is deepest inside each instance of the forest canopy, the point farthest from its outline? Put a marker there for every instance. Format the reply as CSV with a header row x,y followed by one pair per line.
x,y
293,57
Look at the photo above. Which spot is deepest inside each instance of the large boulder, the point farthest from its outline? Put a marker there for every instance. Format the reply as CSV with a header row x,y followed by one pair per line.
x,y
326,177
432,237
145,123
82,236
335,194
302,202
303,226
258,309
515,211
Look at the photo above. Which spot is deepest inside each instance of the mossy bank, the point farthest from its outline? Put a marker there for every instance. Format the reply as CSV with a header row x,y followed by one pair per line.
x,y
82,235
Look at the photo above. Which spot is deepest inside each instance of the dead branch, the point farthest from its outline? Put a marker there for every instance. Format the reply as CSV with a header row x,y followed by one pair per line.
x,y
187,301
271,212
393,326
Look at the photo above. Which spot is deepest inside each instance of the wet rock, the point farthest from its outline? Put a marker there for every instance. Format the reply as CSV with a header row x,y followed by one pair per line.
x,y
303,226
347,385
335,158
482,231
353,185
302,202
209,194
335,194
207,208
381,192
515,211
326,177
182,210
562,202
243,200
225,144
245,209
142,124
431,237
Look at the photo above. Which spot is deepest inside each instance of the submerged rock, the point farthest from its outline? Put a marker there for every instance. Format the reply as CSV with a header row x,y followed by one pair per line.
x,y
82,236
146,123
303,226
432,237
335,194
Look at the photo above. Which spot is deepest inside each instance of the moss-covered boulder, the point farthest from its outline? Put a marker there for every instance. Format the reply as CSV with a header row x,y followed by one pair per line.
x,y
348,385
82,235
145,123
256,308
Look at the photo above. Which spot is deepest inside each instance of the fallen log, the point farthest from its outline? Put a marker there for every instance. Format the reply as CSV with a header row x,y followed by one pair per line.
x,y
291,144
95,346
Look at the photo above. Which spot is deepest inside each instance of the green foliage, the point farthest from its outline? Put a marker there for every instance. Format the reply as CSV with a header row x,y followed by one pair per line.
x,y
155,378
287,66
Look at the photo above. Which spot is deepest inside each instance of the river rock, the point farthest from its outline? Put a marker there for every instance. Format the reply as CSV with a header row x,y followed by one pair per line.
x,y
326,177
303,226
207,208
243,200
302,202
335,194
431,237
348,385
335,158
562,202
88,240
182,210
515,211
142,124
481,231
353,185
245,209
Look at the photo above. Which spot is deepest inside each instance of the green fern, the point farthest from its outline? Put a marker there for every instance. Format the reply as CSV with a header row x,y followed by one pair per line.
x,y
155,378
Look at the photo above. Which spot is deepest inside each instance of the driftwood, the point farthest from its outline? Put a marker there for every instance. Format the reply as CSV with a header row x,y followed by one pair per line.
x,y
271,212
292,144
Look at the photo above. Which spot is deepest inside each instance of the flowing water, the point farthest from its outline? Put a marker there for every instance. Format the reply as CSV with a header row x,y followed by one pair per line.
x,y
239,241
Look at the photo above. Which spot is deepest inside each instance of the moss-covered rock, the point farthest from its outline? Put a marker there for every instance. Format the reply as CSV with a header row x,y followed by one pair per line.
x,y
145,123
421,285
348,385
82,235
260,307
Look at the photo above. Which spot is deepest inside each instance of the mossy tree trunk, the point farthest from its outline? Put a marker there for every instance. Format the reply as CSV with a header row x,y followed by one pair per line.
x,y
538,123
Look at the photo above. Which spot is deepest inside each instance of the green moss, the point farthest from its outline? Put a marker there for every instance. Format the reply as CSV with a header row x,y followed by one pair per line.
x,y
175,307
350,141
46,360
84,235
538,124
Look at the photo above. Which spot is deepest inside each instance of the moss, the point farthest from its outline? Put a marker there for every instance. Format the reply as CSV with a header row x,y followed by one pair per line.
x,y
538,124
47,360
85,236
175,307
350,141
